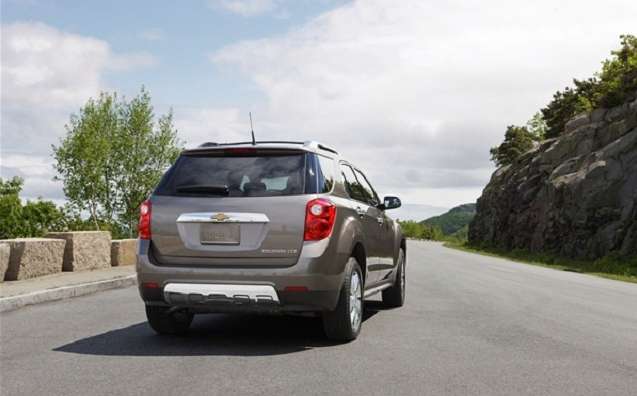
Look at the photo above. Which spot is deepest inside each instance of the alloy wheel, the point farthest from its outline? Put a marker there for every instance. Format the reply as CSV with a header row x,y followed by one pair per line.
x,y
355,301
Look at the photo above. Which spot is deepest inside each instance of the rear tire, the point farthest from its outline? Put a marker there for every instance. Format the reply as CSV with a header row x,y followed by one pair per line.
x,y
168,323
394,296
344,323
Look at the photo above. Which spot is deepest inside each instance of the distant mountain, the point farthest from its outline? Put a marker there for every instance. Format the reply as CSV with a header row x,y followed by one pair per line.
x,y
415,212
456,220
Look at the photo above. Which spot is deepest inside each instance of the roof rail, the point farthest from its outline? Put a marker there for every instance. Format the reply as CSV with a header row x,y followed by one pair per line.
x,y
308,143
259,142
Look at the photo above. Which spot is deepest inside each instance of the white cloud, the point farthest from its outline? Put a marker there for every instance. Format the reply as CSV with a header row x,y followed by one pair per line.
x,y
245,8
42,66
46,75
416,92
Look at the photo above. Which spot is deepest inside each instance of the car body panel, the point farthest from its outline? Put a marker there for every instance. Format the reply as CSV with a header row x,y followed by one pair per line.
x,y
271,250
280,236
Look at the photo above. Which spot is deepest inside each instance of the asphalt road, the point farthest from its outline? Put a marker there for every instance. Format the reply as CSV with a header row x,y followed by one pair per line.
x,y
471,325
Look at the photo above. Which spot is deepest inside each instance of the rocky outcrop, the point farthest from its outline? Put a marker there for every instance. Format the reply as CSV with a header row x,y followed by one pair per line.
x,y
32,257
85,250
575,195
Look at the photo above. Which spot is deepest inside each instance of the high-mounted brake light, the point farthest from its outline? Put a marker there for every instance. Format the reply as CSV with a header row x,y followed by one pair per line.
x,y
144,220
240,150
320,215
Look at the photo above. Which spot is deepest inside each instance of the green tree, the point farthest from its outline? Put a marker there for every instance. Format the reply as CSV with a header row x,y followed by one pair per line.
x,y
11,187
537,126
10,208
112,156
517,141
613,85
83,158
33,219
413,229
562,108
618,77
431,233
41,216
143,152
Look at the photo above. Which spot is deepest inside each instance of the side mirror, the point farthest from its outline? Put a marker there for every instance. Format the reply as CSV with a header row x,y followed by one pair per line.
x,y
391,202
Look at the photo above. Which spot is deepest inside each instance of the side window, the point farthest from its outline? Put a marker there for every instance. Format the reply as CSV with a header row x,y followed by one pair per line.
x,y
351,183
325,174
370,194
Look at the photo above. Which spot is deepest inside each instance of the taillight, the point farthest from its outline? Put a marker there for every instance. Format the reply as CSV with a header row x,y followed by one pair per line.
x,y
320,215
144,220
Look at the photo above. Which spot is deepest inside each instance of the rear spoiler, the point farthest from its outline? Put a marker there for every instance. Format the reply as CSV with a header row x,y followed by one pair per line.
x,y
312,144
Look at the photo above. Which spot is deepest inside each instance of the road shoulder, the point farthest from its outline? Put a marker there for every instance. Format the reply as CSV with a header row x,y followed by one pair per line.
x,y
548,262
17,294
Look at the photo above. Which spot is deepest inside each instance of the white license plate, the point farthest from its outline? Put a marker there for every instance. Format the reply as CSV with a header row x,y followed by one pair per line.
x,y
220,234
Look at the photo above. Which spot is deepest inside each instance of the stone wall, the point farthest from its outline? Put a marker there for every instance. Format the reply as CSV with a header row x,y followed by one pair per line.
x,y
575,195
5,254
123,252
85,250
32,257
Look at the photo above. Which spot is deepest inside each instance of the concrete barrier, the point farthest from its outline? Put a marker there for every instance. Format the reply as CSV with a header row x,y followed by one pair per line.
x,y
5,254
32,257
85,250
123,252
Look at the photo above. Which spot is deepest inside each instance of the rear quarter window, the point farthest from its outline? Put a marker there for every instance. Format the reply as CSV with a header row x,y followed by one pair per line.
x,y
325,174
320,174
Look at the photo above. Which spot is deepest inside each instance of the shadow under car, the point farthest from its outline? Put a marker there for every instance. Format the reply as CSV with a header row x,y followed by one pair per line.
x,y
215,335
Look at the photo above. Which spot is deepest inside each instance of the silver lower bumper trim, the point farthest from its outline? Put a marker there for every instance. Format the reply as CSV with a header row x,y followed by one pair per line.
x,y
177,293
376,289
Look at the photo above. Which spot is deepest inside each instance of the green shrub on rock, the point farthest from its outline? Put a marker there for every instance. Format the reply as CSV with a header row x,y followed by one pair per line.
x,y
615,84
517,141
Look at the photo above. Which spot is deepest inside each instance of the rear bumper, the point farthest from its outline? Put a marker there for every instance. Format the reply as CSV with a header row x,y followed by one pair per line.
x,y
310,285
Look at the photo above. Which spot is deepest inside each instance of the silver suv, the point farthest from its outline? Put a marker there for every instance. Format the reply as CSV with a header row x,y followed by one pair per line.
x,y
273,227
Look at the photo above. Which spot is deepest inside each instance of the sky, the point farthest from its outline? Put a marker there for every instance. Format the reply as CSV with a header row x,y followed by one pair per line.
x,y
414,92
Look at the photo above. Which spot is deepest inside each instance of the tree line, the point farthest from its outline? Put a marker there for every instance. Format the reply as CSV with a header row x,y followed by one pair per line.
x,y
418,230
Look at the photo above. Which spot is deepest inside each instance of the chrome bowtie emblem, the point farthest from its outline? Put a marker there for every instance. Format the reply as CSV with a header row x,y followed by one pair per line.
x,y
220,217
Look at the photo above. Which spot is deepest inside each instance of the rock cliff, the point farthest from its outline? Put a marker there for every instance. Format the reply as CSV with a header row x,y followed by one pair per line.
x,y
575,195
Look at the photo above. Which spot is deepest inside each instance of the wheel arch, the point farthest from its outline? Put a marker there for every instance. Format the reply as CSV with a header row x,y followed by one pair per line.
x,y
358,252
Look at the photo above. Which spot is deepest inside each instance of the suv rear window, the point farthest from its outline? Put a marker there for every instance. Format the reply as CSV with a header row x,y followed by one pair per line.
x,y
219,174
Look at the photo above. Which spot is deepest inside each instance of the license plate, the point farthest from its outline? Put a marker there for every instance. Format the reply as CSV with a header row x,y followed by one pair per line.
x,y
219,234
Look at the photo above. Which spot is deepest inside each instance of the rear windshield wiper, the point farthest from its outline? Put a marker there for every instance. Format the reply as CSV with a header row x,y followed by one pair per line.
x,y
220,189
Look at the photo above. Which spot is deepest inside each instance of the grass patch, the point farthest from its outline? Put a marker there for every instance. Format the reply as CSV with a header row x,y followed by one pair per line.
x,y
610,267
